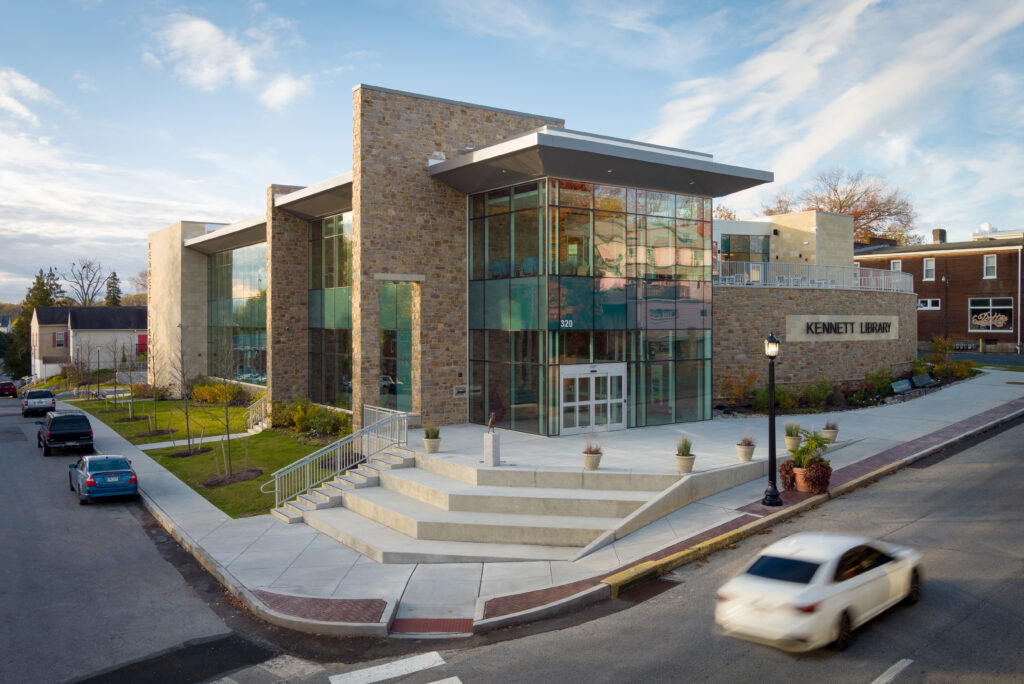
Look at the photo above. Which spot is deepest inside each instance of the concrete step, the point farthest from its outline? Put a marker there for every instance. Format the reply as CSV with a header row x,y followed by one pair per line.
x,y
300,506
385,545
421,520
366,473
391,460
287,515
313,501
328,495
454,495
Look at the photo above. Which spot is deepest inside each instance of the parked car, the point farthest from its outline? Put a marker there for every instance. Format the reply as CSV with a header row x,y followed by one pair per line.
x,y
8,389
63,430
814,589
37,401
93,477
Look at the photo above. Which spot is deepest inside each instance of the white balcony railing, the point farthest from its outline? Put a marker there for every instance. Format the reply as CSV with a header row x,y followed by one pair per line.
x,y
774,274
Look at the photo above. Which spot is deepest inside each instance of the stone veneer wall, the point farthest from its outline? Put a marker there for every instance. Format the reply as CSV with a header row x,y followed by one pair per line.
x,y
287,301
177,294
743,316
405,222
831,243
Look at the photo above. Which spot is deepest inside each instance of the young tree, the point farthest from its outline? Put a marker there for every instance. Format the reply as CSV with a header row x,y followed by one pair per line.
x,y
44,291
877,209
113,297
85,279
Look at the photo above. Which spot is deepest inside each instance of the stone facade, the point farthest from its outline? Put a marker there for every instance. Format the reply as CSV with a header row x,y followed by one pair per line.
x,y
743,316
287,301
406,222
829,238
177,294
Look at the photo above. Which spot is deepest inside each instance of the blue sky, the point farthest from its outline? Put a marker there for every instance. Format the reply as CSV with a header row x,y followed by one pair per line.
x,y
118,118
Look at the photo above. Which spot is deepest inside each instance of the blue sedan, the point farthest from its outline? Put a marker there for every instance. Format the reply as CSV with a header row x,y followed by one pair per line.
x,y
92,477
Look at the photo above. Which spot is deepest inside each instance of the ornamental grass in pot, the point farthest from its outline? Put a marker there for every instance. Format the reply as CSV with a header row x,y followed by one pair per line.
x,y
431,438
745,447
684,455
830,431
592,455
792,435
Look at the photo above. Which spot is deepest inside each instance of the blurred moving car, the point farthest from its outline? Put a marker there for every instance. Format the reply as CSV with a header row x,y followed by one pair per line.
x,y
93,477
63,430
8,389
37,401
814,589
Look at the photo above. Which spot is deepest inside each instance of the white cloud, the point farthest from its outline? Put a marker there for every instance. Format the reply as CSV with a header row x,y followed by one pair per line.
x,y
152,60
283,89
84,82
15,87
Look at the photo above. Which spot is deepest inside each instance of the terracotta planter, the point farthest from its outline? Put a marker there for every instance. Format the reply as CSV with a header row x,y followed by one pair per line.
x,y
745,451
792,442
431,445
591,461
830,435
801,480
685,463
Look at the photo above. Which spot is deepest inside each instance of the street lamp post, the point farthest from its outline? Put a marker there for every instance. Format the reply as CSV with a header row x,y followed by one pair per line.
x,y
771,350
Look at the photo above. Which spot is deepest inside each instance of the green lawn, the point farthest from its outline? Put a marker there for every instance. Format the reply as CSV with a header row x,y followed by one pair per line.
x,y
269,451
166,413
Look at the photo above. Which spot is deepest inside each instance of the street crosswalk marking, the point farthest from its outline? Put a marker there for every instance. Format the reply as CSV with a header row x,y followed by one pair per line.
x,y
891,673
395,668
448,680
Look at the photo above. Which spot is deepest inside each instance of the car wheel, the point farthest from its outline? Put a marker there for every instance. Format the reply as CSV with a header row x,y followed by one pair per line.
x,y
81,499
71,485
844,633
46,450
39,442
914,592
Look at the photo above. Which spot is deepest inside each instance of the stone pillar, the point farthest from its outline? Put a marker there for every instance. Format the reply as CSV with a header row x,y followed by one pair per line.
x,y
287,301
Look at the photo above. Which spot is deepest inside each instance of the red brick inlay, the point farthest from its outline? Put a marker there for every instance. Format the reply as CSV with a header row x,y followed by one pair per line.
x,y
432,625
324,609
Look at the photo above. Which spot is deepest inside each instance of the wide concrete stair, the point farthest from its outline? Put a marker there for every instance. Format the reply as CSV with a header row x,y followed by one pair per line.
x,y
403,507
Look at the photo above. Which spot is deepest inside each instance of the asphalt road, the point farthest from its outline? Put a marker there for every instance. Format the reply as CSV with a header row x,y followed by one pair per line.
x,y
963,512
82,588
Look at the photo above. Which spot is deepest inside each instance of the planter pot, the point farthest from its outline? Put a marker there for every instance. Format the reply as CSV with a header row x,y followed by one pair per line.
x,y
591,461
830,435
745,452
431,445
685,463
801,479
792,442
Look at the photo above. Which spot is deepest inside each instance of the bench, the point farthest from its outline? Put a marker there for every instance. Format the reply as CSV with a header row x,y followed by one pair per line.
x,y
901,387
924,380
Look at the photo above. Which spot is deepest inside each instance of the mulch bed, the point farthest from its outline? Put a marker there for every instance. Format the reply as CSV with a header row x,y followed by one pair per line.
x,y
129,420
186,453
237,476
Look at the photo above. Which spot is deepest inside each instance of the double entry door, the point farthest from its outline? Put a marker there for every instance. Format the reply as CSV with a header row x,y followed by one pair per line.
x,y
592,397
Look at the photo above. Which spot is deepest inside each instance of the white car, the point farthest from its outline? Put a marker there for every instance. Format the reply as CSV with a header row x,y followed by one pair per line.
x,y
814,589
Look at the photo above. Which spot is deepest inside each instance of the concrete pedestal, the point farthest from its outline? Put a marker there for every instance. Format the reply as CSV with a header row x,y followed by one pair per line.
x,y
492,449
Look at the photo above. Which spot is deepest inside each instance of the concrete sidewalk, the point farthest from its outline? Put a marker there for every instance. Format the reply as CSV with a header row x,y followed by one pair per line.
x,y
294,576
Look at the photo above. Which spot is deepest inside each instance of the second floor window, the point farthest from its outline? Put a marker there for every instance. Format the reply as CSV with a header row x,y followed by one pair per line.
x,y
896,265
58,339
990,265
929,269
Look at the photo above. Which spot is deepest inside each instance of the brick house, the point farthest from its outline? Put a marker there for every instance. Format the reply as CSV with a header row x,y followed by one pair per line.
x,y
970,291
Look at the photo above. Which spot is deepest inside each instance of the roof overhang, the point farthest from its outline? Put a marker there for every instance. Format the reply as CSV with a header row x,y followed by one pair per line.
x,y
243,233
332,196
562,153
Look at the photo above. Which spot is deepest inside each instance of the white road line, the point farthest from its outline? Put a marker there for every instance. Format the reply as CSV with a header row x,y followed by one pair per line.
x,y
891,673
396,668
449,680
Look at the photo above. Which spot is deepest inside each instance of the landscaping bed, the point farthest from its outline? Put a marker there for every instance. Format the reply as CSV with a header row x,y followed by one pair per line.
x,y
168,419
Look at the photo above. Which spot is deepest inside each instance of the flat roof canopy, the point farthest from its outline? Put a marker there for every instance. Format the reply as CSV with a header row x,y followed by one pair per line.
x,y
242,233
325,198
558,152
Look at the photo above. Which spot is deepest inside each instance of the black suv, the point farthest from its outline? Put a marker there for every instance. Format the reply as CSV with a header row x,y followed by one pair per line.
x,y
8,389
64,430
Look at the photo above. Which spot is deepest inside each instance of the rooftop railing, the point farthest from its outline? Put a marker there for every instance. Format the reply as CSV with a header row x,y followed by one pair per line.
x,y
775,274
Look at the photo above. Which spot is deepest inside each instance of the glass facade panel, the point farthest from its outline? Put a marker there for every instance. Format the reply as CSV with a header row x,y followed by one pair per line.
x,y
330,311
396,346
236,333
528,238
573,242
609,244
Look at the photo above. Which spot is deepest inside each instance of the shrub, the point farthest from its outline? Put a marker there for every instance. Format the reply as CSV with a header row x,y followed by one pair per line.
x,y
818,476
215,393
817,393
740,392
942,348
146,391
786,476
302,415
811,450
880,382
786,398
919,367
953,369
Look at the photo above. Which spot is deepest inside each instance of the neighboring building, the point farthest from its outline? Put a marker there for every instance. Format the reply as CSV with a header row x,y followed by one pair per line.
x,y
5,324
969,291
94,336
478,262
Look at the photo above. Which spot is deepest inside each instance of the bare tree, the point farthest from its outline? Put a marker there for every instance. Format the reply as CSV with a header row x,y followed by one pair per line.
x,y
783,204
877,209
221,367
85,279
183,376
140,281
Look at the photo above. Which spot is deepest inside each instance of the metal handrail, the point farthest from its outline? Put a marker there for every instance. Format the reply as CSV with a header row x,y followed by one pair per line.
x,y
821,276
256,413
328,462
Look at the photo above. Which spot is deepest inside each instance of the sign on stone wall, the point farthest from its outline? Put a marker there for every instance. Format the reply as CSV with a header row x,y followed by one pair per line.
x,y
838,328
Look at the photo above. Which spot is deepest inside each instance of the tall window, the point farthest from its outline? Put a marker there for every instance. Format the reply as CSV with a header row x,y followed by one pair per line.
x,y
396,346
991,314
990,265
929,269
236,333
896,265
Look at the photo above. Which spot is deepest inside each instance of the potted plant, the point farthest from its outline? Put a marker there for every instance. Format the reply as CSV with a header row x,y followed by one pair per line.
x,y
592,455
811,452
745,447
830,431
792,435
684,455
431,438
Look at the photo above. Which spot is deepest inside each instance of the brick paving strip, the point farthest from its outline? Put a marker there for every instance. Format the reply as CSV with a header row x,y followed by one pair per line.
x,y
324,610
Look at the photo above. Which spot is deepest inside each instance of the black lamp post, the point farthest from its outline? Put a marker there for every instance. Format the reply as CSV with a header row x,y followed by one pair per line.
x,y
771,350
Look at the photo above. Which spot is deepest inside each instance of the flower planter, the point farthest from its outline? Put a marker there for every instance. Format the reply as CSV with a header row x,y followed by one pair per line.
x,y
685,463
591,461
745,451
792,442
830,435
431,445
801,479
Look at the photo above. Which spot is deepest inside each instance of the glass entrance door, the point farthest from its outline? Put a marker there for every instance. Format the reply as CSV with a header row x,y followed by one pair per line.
x,y
592,397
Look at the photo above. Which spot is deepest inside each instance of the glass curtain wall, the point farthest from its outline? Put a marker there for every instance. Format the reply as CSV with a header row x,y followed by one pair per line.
x,y
330,310
236,308
396,346
564,272
744,247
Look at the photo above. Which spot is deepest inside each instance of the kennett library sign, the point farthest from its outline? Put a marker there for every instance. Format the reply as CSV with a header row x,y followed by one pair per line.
x,y
819,328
